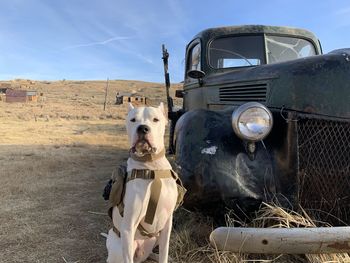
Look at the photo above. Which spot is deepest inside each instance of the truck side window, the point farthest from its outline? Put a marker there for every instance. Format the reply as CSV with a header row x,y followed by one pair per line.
x,y
194,58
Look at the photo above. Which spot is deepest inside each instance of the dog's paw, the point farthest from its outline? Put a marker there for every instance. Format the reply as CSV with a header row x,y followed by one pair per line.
x,y
154,257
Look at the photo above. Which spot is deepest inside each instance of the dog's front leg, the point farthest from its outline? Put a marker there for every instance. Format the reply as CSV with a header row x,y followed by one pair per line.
x,y
164,240
116,218
127,237
133,206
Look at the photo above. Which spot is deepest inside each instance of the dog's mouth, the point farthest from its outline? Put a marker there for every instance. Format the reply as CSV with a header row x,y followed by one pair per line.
x,y
143,147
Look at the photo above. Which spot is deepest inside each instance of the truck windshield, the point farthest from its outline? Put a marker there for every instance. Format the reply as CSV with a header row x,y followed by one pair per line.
x,y
238,51
281,49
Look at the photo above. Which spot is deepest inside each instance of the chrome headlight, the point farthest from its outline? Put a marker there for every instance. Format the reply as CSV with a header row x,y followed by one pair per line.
x,y
252,121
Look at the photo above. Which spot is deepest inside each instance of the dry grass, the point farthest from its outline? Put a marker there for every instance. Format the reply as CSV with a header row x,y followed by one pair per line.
x,y
275,216
190,238
56,156
46,193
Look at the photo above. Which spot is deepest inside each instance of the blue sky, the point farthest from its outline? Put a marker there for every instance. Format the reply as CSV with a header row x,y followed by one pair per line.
x,y
121,39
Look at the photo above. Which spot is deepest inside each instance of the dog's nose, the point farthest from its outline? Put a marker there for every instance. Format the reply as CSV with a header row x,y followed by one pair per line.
x,y
143,129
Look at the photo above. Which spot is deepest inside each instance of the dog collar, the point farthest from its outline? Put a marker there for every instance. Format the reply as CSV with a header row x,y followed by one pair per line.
x,y
148,157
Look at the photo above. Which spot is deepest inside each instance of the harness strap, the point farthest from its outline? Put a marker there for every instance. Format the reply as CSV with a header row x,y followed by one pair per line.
x,y
142,231
116,231
147,157
156,187
149,174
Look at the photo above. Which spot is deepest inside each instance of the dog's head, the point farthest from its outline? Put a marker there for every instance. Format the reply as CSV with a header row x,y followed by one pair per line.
x,y
146,127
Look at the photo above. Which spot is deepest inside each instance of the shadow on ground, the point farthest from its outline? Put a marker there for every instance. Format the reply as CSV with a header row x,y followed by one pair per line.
x,y
46,193
103,128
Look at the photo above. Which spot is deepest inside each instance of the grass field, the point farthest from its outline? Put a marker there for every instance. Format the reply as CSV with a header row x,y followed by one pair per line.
x,y
56,156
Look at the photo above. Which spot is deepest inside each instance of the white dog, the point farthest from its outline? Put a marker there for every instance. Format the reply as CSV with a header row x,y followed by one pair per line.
x,y
150,194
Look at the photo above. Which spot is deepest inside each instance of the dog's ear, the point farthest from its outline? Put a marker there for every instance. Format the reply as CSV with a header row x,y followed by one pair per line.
x,y
161,107
130,107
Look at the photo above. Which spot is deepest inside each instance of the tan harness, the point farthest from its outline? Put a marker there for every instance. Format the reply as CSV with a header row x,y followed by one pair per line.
x,y
156,186
121,178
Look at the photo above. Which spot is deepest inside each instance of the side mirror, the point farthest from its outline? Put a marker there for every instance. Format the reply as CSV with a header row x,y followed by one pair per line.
x,y
196,74
179,93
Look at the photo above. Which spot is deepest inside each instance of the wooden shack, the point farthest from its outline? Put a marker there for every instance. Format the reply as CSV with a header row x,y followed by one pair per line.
x,y
3,88
134,98
23,96
32,96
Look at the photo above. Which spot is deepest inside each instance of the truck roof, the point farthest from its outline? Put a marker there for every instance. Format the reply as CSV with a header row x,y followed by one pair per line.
x,y
211,33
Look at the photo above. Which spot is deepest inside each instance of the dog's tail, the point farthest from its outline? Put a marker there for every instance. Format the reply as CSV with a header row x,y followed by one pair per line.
x,y
104,235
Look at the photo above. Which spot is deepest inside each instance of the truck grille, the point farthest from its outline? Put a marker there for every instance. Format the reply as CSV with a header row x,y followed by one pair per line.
x,y
242,93
324,168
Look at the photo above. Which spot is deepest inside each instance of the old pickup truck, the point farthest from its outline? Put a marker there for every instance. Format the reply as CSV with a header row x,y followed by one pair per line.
x,y
265,117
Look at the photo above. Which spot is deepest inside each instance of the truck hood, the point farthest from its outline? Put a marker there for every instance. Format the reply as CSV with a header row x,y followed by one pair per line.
x,y
318,84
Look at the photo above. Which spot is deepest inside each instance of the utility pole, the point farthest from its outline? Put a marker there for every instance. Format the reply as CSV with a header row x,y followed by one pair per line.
x,y
104,105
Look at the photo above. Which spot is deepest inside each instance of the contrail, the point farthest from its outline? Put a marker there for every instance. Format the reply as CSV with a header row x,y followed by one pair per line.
x,y
104,42
98,43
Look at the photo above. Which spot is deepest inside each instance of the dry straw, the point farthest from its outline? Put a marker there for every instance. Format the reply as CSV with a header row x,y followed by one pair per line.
x,y
191,233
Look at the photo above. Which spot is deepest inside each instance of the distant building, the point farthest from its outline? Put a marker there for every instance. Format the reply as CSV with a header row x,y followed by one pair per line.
x,y
3,88
2,97
13,95
123,97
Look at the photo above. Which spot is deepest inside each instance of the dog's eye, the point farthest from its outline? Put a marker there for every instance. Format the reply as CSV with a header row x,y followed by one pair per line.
x,y
133,120
155,119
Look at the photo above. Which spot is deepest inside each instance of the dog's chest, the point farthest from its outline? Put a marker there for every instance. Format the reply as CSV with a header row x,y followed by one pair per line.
x,y
168,197
165,207
141,189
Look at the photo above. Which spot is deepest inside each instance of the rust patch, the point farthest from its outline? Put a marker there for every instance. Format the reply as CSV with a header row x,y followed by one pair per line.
x,y
340,245
309,109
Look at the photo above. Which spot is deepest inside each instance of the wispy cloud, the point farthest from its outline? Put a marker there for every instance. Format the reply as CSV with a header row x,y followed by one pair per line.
x,y
104,42
343,11
341,17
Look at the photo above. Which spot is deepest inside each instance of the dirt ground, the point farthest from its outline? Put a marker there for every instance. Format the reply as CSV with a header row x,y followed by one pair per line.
x,y
56,155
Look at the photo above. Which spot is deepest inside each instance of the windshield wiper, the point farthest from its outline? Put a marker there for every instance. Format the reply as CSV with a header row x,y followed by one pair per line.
x,y
233,53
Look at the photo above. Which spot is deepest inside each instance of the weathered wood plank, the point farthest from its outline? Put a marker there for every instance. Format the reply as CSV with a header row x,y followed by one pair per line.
x,y
316,240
